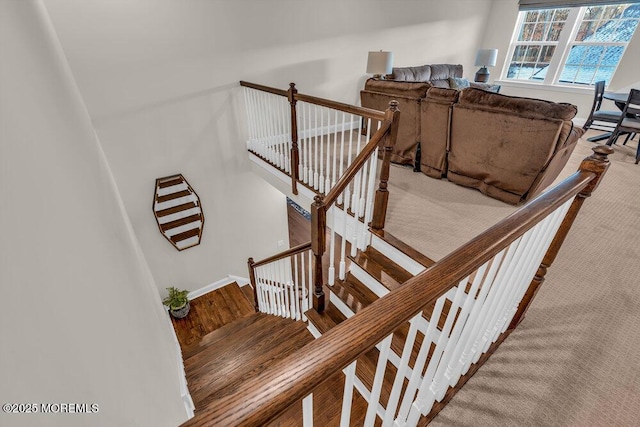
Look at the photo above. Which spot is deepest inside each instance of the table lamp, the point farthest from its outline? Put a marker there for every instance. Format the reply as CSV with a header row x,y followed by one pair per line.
x,y
485,58
379,63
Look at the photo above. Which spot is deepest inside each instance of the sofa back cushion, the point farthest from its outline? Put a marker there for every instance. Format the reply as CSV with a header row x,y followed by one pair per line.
x,y
500,144
427,73
415,90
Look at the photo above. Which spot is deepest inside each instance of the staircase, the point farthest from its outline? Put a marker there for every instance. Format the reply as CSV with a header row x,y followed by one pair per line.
x,y
222,359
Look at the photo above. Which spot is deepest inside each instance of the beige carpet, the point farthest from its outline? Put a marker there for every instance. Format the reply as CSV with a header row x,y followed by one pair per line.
x,y
575,360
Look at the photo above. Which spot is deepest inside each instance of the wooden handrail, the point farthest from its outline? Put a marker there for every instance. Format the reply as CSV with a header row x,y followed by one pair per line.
x,y
289,252
265,396
263,88
352,109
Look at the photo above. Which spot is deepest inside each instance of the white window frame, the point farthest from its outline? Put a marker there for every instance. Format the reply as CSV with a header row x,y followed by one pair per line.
x,y
561,53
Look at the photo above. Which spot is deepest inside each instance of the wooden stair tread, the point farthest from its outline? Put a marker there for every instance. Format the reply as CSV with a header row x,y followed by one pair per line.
x,y
353,293
404,248
381,268
245,356
210,312
247,290
219,335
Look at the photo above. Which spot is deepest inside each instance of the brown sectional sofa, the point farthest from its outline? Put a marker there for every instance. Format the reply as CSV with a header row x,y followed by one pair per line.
x,y
509,148
409,86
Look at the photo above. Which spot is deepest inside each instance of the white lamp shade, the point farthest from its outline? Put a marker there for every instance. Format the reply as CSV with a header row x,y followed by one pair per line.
x,y
380,62
486,57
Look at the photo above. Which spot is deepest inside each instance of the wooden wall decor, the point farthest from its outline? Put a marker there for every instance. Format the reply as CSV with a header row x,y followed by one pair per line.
x,y
178,212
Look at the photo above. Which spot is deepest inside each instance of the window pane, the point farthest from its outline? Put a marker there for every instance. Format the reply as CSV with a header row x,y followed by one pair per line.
x,y
625,30
604,73
518,53
593,12
593,55
547,53
568,74
561,14
531,16
612,56
585,31
554,31
532,53
539,32
526,33
576,54
585,75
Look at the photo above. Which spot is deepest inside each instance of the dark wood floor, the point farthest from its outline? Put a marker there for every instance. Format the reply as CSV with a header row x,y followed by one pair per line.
x,y
210,312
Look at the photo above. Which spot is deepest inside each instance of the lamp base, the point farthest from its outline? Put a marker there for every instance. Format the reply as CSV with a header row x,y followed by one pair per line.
x,y
482,76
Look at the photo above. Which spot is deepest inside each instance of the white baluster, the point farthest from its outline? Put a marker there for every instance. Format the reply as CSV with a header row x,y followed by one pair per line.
x,y
416,374
347,395
343,239
498,298
310,268
355,205
332,243
320,185
401,374
285,290
427,390
296,285
381,367
316,175
335,152
307,411
454,370
303,288
440,386
310,148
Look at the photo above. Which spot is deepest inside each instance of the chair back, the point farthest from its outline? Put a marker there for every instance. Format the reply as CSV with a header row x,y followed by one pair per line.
x,y
597,102
597,99
632,106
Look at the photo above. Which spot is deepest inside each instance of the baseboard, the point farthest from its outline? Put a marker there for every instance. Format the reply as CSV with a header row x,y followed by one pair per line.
x,y
241,281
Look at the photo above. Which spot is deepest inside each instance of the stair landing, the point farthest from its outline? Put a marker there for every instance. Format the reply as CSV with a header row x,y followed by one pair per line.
x,y
212,311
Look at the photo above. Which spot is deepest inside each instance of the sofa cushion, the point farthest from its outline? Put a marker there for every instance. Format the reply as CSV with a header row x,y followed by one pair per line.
x,y
458,83
444,71
427,73
412,74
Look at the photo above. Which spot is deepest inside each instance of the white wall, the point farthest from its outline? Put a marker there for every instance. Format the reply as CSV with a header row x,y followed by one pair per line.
x,y
159,78
81,319
500,25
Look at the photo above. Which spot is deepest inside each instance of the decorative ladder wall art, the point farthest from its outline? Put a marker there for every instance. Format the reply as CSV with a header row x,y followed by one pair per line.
x,y
178,212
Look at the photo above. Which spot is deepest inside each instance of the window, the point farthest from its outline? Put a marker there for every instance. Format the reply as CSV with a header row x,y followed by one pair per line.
x,y
574,46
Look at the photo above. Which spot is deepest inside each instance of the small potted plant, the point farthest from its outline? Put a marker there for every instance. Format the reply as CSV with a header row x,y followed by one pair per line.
x,y
177,302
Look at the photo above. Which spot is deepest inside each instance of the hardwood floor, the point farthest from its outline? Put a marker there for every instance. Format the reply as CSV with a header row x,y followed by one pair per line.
x,y
210,312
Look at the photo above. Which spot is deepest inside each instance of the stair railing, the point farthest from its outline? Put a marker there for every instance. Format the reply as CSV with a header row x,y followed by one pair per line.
x,y
306,137
474,297
313,140
282,284
354,203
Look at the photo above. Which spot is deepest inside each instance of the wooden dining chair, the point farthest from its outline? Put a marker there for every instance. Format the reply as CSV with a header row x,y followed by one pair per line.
x,y
598,115
629,123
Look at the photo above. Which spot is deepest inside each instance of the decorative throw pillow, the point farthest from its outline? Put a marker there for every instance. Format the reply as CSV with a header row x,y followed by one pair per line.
x,y
458,82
